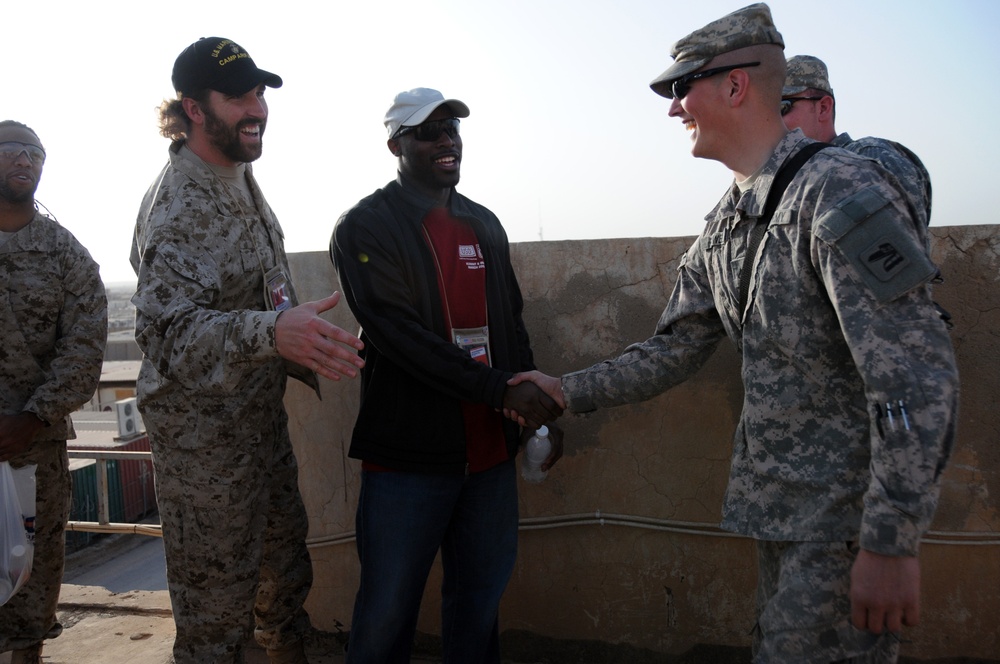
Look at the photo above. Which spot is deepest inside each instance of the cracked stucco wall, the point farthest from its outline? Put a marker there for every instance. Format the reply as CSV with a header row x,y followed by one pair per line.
x,y
618,544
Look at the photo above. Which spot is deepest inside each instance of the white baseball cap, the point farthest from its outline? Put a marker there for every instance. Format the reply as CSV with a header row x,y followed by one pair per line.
x,y
412,107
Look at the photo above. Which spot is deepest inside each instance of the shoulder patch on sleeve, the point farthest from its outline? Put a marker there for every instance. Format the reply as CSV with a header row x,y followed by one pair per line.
x,y
877,243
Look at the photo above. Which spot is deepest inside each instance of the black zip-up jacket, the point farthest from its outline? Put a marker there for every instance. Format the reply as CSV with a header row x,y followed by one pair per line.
x,y
414,378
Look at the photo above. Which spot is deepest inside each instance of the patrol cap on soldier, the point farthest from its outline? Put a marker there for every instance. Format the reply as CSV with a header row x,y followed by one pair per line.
x,y
216,63
805,72
750,26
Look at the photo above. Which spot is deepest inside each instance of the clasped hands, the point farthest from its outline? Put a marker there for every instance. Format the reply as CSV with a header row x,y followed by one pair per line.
x,y
17,433
533,399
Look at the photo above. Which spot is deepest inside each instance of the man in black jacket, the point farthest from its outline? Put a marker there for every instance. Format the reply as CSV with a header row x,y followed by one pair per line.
x,y
427,273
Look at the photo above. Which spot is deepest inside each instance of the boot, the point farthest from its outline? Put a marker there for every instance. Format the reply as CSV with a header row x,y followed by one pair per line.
x,y
29,655
293,654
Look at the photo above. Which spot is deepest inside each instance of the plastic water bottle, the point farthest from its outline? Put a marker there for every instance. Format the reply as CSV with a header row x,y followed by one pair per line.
x,y
536,451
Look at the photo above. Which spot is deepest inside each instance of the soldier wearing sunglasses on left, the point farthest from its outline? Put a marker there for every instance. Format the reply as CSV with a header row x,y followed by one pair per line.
x,y
54,322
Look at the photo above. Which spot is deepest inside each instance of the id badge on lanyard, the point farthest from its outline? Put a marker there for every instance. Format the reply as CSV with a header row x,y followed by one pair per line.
x,y
277,292
475,341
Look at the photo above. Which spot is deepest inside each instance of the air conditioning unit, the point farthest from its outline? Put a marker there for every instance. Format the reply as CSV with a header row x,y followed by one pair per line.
x,y
129,421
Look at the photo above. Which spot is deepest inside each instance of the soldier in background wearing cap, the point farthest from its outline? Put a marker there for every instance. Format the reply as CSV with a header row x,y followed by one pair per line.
x,y
54,323
217,321
807,80
849,376
427,273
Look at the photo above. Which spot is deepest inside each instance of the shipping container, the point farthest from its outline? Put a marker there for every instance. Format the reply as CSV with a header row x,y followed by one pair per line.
x,y
84,505
138,492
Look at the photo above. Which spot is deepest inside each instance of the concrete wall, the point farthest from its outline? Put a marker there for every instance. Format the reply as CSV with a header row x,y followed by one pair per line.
x,y
618,547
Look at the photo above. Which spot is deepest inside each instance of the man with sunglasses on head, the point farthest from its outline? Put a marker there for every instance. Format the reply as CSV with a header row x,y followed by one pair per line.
x,y
54,321
427,273
807,103
849,376
218,324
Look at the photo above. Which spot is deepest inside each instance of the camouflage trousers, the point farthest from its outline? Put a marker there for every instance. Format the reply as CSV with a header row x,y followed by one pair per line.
x,y
804,608
30,615
234,529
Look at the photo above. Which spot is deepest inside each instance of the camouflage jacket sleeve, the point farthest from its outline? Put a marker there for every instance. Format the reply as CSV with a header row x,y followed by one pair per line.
x,y
876,272
200,318
685,337
65,321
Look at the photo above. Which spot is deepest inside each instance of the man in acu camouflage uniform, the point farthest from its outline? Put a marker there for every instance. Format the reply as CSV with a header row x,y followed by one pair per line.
x,y
217,320
849,375
807,103
54,325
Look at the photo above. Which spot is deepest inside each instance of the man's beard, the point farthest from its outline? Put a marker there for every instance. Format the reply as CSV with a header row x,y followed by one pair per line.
x,y
11,196
227,137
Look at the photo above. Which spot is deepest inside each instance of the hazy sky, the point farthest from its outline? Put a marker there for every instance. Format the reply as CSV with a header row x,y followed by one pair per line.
x,y
565,140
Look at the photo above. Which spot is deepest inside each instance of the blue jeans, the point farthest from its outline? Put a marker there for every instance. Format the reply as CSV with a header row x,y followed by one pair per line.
x,y
402,521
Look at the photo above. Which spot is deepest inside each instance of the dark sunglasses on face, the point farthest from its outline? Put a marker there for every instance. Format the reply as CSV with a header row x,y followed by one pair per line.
x,y
682,85
431,130
786,104
12,150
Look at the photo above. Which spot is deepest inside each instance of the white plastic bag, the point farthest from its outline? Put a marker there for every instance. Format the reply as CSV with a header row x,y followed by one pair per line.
x,y
17,527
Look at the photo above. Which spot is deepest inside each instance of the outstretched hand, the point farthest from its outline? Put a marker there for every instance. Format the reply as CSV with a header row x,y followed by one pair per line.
x,y
551,386
305,338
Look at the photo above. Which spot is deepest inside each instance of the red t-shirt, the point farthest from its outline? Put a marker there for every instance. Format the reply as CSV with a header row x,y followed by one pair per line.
x,y
462,283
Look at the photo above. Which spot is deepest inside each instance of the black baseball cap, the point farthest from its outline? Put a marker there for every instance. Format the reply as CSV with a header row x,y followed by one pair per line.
x,y
216,63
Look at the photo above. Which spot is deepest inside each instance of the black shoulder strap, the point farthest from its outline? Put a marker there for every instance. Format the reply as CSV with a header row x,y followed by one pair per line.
x,y
781,180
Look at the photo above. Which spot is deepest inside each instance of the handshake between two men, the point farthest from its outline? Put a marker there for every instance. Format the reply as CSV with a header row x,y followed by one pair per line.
x,y
533,399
